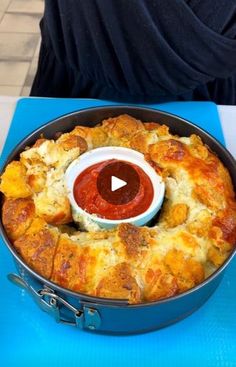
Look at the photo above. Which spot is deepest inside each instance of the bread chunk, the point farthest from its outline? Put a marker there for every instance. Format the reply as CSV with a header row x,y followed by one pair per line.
x,y
17,216
14,181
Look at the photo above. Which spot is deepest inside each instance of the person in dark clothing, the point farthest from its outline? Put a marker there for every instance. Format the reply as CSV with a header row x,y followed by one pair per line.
x,y
144,51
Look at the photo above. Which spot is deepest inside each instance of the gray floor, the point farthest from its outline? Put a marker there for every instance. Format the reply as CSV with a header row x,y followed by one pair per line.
x,y
19,44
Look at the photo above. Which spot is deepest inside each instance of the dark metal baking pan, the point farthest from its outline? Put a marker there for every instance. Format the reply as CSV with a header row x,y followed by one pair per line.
x,y
109,315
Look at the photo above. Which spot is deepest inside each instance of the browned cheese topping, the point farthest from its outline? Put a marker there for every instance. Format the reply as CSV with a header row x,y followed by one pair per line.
x,y
192,237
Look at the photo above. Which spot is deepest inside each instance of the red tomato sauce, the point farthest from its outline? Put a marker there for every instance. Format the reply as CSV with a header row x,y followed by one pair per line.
x,y
88,198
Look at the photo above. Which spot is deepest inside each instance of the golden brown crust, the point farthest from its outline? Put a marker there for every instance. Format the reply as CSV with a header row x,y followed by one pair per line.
x,y
78,267
197,148
82,131
14,181
176,214
187,271
160,283
163,131
142,140
99,137
17,215
37,247
134,239
201,225
168,151
216,256
122,126
193,236
73,141
39,142
151,125
119,283
68,267
225,221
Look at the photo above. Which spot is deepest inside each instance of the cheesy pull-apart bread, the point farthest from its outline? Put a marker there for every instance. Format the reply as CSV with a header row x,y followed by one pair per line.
x,y
193,235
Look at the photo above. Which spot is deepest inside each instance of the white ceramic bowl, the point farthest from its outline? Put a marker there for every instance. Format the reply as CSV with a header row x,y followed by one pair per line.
x,y
124,154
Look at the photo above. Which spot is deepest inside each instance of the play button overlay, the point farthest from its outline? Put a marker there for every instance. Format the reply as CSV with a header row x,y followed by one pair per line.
x,y
118,183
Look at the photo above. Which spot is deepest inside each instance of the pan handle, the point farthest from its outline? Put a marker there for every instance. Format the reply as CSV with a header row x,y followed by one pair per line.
x,y
53,304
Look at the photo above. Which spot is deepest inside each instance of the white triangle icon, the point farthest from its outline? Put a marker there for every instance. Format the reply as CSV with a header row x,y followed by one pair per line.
x,y
117,183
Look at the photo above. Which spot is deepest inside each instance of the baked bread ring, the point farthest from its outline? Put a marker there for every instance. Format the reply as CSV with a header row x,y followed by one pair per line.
x,y
193,235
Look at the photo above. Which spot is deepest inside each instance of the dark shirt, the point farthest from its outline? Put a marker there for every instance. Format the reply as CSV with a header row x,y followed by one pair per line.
x,y
139,50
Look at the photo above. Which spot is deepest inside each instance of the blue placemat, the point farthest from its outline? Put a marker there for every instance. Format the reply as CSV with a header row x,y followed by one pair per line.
x,y
30,337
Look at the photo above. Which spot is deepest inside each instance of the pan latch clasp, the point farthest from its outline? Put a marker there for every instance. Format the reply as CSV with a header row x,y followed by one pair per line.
x,y
53,304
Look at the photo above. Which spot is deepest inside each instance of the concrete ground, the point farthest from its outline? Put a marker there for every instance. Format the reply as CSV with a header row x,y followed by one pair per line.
x,y
19,44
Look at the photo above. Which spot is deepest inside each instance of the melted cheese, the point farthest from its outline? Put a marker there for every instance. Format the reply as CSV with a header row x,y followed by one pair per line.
x,y
194,234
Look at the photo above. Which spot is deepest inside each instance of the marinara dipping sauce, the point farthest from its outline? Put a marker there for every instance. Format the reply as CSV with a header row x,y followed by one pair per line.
x,y
88,198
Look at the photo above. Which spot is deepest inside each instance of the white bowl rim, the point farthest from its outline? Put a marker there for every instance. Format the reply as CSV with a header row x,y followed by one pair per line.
x,y
139,160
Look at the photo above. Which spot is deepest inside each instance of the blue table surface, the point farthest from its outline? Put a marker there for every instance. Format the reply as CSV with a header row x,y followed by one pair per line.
x,y
30,337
